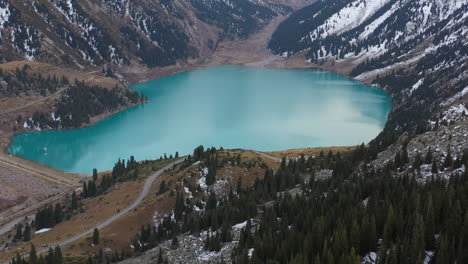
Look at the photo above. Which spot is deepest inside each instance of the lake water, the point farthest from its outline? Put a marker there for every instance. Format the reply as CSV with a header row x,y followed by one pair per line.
x,y
229,106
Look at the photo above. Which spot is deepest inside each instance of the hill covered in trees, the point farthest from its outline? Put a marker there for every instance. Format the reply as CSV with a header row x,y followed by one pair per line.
x,y
360,212
75,103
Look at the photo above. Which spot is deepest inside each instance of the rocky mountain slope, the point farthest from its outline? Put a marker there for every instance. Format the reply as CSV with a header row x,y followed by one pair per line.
x,y
415,50
124,32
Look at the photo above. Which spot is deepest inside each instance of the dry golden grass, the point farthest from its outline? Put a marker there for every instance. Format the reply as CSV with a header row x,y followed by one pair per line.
x,y
50,70
293,153
96,210
120,234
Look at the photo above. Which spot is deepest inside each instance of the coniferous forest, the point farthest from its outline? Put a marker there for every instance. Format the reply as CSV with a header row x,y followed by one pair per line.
x,y
294,217
73,108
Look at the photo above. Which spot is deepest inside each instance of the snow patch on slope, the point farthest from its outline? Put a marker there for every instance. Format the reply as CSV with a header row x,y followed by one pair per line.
x,y
350,16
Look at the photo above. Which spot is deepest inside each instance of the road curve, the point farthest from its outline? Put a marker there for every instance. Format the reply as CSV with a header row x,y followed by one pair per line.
x,y
146,188
266,155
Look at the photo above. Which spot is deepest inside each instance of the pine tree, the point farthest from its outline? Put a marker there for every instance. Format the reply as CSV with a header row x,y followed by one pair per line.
x,y
434,167
162,187
404,156
417,252
463,243
74,201
85,190
179,206
175,243
428,158
50,258
58,213
429,226
239,185
442,256
19,233
58,255
33,255
96,236
95,174
389,227
448,159
27,233
160,256
354,235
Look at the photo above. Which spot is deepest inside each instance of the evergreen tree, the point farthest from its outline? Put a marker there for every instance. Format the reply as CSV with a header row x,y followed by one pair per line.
x,y
434,167
428,158
27,233
58,255
430,226
74,201
417,161
33,255
95,174
448,159
19,233
85,190
162,187
96,236
175,243
58,213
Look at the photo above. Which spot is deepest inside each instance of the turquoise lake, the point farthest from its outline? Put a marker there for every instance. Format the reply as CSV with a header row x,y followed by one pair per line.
x,y
228,106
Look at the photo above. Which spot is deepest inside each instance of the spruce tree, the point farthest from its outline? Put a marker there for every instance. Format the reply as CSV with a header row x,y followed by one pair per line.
x,y
33,255
58,255
175,243
27,233
434,167
448,159
74,201
428,158
96,236
95,174
85,190
429,235
58,213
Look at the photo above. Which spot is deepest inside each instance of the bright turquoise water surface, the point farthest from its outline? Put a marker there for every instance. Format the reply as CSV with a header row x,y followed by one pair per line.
x,y
229,106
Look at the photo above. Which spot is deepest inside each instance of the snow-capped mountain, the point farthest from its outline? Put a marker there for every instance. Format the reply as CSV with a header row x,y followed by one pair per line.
x,y
367,29
414,49
123,32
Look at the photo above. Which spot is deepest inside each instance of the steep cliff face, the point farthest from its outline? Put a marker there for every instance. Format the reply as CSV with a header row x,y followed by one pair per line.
x,y
123,32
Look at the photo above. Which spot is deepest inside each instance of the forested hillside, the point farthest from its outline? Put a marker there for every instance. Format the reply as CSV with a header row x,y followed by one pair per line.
x,y
124,32
358,213
75,104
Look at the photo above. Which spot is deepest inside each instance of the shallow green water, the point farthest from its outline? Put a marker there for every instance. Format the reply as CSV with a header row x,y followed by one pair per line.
x,y
229,106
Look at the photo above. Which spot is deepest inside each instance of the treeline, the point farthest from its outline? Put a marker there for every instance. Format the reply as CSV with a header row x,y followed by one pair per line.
x,y
46,217
54,256
20,83
218,214
121,172
342,219
335,220
80,102
237,19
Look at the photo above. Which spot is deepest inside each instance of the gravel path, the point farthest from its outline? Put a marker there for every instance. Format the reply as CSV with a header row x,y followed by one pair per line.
x,y
146,188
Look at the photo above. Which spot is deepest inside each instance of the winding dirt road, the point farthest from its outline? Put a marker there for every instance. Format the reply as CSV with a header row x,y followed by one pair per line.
x,y
146,189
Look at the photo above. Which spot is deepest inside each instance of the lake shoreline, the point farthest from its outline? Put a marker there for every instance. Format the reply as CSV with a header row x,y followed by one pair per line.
x,y
219,96
250,52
